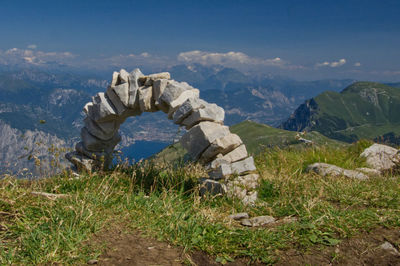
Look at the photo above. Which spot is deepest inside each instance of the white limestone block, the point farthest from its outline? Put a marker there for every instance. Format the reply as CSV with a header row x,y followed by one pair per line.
x,y
243,166
149,80
211,112
186,108
101,110
221,145
158,89
199,137
116,101
146,101
133,77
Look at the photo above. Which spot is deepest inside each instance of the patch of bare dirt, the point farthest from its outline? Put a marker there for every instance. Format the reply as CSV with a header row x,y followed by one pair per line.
x,y
364,249
124,247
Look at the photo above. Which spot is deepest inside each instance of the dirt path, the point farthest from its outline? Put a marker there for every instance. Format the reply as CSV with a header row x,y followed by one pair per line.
x,y
132,248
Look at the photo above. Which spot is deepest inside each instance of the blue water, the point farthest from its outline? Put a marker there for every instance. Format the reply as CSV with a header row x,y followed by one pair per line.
x,y
142,149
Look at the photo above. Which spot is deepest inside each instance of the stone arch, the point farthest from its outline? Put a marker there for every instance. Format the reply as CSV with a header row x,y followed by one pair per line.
x,y
207,140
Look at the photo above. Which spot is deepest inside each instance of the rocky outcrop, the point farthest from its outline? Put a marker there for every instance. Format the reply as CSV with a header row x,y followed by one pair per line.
x,y
207,140
302,118
381,157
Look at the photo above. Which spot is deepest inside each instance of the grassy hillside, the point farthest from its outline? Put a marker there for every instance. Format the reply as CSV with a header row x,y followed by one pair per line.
x,y
324,214
362,110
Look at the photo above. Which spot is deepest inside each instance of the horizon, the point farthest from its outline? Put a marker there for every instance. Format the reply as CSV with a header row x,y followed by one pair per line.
x,y
303,41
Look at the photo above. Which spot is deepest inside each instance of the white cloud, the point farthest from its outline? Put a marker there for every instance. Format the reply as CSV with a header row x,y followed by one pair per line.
x,y
228,59
32,46
20,56
339,63
357,64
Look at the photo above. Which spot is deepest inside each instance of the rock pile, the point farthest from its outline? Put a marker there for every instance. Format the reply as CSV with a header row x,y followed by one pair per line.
x,y
231,169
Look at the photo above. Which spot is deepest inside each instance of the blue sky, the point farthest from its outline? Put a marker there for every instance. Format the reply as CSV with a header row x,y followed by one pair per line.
x,y
300,39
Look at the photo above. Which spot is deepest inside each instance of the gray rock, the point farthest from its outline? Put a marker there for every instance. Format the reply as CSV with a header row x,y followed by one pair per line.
x,y
92,143
369,171
225,170
221,145
389,247
211,187
236,155
175,93
150,79
216,163
381,157
233,190
239,216
258,221
190,105
243,166
158,89
122,91
133,88
124,76
198,138
146,101
325,169
81,162
222,171
211,112
250,198
249,182
101,110
115,100
103,131
92,154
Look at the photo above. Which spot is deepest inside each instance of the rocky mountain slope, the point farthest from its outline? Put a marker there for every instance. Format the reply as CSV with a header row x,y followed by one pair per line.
x,y
362,110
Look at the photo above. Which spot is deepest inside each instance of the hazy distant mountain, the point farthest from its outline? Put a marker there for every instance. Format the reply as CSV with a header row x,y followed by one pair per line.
x,y
362,110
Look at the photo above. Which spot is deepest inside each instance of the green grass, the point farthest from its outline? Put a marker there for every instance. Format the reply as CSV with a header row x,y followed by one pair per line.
x,y
162,201
362,110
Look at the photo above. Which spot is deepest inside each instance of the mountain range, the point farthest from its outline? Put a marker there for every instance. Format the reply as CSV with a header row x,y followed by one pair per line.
x,y
47,103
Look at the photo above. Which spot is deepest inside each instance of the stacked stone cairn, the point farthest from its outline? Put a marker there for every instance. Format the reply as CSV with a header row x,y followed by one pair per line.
x,y
231,170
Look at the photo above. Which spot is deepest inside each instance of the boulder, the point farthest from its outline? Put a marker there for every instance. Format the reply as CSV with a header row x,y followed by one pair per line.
x,y
146,101
211,112
325,169
198,138
221,145
190,105
381,157
133,78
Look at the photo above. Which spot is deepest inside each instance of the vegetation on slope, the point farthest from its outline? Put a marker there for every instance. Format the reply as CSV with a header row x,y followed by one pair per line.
x,y
163,201
362,110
